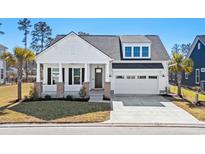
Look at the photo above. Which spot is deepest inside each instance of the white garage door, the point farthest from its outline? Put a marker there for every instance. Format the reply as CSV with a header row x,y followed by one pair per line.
x,y
136,84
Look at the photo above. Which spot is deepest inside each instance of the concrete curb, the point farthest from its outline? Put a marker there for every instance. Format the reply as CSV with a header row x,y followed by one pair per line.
x,y
102,125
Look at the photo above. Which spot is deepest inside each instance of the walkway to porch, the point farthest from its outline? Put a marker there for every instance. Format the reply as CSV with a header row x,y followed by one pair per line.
x,y
97,96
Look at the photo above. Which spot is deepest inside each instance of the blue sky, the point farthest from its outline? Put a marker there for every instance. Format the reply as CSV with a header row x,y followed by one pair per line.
x,y
171,31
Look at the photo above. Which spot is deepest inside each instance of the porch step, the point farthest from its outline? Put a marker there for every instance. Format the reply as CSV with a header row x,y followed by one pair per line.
x,y
98,100
94,97
97,96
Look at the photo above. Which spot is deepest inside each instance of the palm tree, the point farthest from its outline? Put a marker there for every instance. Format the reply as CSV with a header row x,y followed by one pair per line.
x,y
29,57
180,65
20,55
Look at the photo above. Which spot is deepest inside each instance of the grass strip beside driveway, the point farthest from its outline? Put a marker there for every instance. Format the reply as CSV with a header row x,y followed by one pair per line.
x,y
197,111
187,93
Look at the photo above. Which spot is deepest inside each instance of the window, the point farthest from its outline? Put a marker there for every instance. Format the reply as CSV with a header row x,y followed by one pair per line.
x,y
199,46
141,77
128,51
145,52
197,76
202,69
119,77
186,76
173,76
130,77
2,73
136,51
152,77
55,75
76,75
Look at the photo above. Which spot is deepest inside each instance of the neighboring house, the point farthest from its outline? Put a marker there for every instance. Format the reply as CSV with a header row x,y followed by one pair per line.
x,y
11,74
172,78
197,54
2,65
125,64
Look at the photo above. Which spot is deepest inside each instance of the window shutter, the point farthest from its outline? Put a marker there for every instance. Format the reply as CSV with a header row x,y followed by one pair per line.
x,y
83,74
49,76
63,71
70,76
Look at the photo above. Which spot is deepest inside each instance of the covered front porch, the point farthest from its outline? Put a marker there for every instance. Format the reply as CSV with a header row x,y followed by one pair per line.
x,y
62,79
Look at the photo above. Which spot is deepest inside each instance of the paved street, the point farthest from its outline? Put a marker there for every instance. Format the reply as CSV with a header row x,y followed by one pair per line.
x,y
102,131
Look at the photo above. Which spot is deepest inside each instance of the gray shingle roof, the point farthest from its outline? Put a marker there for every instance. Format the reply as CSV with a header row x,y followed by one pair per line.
x,y
202,38
158,51
111,44
134,39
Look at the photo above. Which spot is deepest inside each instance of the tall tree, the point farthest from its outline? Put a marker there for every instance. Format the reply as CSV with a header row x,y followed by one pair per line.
x,y
24,26
41,36
1,32
185,48
176,48
17,59
179,65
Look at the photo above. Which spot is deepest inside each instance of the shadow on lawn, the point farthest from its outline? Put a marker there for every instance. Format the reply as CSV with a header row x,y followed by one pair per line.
x,y
51,110
2,113
172,98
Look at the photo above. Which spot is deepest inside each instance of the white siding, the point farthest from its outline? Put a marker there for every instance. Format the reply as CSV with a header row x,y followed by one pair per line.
x,y
2,66
72,49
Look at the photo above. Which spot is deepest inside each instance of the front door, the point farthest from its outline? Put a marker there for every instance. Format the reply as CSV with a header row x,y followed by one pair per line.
x,y
98,78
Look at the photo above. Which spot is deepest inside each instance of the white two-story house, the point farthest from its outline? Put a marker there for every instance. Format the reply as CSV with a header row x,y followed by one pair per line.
x,y
2,65
124,64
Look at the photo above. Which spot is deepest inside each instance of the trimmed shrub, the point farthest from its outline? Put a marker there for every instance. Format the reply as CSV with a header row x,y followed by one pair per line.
x,y
82,92
69,98
33,95
48,97
105,98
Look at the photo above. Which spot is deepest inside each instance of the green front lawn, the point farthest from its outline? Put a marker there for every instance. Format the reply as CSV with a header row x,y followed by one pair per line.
x,y
187,93
63,111
48,111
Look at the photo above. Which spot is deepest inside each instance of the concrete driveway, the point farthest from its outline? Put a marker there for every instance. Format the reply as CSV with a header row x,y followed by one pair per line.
x,y
148,109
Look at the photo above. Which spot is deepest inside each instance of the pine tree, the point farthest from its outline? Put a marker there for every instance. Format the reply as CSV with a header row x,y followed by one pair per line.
x,y
41,36
24,26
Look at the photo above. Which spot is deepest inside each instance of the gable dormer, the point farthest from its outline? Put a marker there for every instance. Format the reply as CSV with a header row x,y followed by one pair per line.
x,y
136,50
135,47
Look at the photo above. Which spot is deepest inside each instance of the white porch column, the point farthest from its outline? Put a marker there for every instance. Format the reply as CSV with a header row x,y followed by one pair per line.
x,y
107,70
60,73
38,71
87,73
